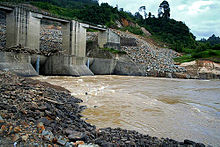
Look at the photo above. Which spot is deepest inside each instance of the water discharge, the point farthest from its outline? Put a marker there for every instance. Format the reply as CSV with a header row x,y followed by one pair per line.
x,y
175,108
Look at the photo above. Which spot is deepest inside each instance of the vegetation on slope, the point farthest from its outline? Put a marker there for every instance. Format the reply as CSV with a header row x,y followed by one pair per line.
x,y
203,50
175,33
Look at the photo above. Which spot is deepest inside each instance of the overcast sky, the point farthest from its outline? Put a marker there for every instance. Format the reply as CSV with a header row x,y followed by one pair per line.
x,y
201,16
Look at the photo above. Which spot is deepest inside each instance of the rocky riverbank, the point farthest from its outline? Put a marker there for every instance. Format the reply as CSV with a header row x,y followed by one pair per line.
x,y
157,61
202,69
36,113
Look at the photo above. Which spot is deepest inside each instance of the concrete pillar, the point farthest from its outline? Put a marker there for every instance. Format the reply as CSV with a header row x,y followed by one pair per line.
x,y
66,38
109,39
33,31
11,31
23,28
78,39
102,38
81,51
74,37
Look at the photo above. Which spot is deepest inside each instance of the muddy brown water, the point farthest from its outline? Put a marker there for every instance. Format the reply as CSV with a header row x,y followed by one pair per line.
x,y
175,108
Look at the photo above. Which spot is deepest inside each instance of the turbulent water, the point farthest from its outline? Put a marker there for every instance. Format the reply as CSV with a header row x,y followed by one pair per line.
x,y
175,108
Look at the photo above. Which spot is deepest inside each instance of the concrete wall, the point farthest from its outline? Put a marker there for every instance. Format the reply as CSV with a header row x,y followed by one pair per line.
x,y
100,66
78,39
128,68
108,39
128,41
66,38
66,65
117,66
33,31
113,37
23,28
17,63
102,38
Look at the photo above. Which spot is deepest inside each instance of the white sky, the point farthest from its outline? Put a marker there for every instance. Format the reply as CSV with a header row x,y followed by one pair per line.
x,y
201,16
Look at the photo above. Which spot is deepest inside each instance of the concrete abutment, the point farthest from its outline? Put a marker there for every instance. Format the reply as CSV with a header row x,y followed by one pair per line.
x,y
17,63
109,39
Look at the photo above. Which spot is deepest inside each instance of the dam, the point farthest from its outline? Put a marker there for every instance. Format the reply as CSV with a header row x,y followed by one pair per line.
x,y
23,30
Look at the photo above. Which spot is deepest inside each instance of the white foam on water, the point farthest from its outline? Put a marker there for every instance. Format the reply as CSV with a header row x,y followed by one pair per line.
x,y
205,80
196,109
96,90
79,81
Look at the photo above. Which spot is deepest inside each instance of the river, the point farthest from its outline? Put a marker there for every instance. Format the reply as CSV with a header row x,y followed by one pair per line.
x,y
174,108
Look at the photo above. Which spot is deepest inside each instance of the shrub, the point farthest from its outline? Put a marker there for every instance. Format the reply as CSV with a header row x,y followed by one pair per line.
x,y
134,30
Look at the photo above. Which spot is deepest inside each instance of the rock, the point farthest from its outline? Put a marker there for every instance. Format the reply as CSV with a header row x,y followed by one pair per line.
x,y
48,136
75,136
200,145
25,137
61,141
44,120
16,137
189,142
79,142
17,129
42,108
1,119
202,69
147,33
3,129
169,75
40,127
87,145
69,144
68,131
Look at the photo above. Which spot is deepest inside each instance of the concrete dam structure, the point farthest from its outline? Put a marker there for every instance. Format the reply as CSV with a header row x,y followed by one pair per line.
x,y
23,29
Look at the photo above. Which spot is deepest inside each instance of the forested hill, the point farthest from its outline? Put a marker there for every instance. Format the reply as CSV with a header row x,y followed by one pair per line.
x,y
213,40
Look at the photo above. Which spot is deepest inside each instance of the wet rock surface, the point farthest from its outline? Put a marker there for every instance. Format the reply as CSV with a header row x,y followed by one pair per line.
x,y
35,113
